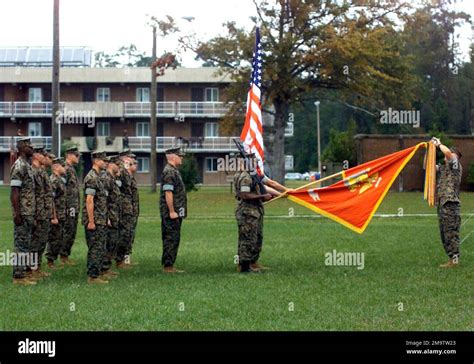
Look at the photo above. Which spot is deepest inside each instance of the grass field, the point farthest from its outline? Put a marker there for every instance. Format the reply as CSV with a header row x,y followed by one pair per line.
x,y
400,288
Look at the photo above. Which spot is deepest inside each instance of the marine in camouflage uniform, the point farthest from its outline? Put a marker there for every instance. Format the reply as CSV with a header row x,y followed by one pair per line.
x,y
112,184
127,220
44,208
56,232
448,186
249,214
96,228
171,221
72,205
136,208
24,207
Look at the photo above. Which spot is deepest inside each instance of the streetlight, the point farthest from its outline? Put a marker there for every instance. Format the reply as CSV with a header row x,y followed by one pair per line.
x,y
318,136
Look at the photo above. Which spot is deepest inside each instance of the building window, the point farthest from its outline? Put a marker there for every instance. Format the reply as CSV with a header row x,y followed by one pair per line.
x,y
211,130
212,94
143,129
103,94
35,94
34,129
143,94
103,128
289,163
211,164
143,164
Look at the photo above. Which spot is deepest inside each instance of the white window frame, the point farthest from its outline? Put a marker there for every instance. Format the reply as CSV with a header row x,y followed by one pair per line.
x,y
103,94
35,129
103,126
140,163
289,162
213,128
140,93
35,94
139,132
213,92
206,165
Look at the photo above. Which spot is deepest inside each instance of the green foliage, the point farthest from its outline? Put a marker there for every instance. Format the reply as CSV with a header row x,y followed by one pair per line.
x,y
341,146
189,172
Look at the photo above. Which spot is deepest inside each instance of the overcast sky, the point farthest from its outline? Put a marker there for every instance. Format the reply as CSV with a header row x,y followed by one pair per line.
x,y
108,24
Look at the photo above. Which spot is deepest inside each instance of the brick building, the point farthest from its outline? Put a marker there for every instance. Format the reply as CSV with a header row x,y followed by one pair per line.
x,y
370,147
107,106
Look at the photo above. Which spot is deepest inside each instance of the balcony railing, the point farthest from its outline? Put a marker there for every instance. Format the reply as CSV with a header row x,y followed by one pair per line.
x,y
178,109
144,108
202,108
5,109
9,143
22,108
193,144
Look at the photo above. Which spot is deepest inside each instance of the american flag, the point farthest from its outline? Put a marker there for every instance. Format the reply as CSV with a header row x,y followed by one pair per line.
x,y
252,133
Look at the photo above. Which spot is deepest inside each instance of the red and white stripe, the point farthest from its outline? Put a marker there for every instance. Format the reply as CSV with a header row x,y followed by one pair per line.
x,y
252,132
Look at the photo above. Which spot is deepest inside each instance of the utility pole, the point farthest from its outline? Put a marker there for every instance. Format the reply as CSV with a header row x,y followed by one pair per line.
x,y
56,143
319,137
153,118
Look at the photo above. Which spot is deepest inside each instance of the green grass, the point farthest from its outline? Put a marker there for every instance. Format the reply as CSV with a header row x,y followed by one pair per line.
x,y
401,265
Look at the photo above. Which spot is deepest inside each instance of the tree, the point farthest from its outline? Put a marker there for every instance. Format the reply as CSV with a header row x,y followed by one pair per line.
x,y
310,46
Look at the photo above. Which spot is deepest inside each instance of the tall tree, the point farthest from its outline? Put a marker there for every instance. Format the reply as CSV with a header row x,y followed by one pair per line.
x,y
309,46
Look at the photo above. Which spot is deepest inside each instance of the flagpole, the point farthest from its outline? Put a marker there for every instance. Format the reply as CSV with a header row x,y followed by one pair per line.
x,y
307,185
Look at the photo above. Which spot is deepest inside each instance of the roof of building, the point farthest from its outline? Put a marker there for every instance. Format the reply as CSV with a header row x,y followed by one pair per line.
x,y
112,75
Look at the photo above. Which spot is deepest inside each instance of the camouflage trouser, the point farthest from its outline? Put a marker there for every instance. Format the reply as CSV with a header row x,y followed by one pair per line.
x,y
110,247
171,235
450,226
126,236
55,241
22,235
70,229
250,235
96,242
134,230
40,238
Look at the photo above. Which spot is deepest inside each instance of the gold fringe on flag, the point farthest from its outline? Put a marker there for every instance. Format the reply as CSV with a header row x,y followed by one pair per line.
x,y
430,174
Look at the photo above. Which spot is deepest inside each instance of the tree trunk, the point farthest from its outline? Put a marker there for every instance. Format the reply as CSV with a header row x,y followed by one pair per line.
x,y
275,151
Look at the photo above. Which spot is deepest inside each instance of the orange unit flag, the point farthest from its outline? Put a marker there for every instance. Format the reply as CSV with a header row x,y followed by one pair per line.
x,y
353,200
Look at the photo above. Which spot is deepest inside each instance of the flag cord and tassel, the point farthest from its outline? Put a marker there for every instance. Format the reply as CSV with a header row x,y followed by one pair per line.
x,y
430,174
307,185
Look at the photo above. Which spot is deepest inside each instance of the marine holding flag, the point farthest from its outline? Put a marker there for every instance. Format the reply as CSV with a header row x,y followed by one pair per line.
x,y
250,192
449,204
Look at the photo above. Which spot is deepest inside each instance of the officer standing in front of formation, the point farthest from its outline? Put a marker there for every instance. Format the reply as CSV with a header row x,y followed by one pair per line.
x,y
94,218
72,201
126,207
58,222
173,208
112,183
24,207
44,210
449,205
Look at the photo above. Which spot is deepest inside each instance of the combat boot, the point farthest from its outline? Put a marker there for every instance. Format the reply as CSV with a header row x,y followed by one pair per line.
x,y
23,282
38,273
32,277
451,263
108,274
258,266
97,280
122,265
172,270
